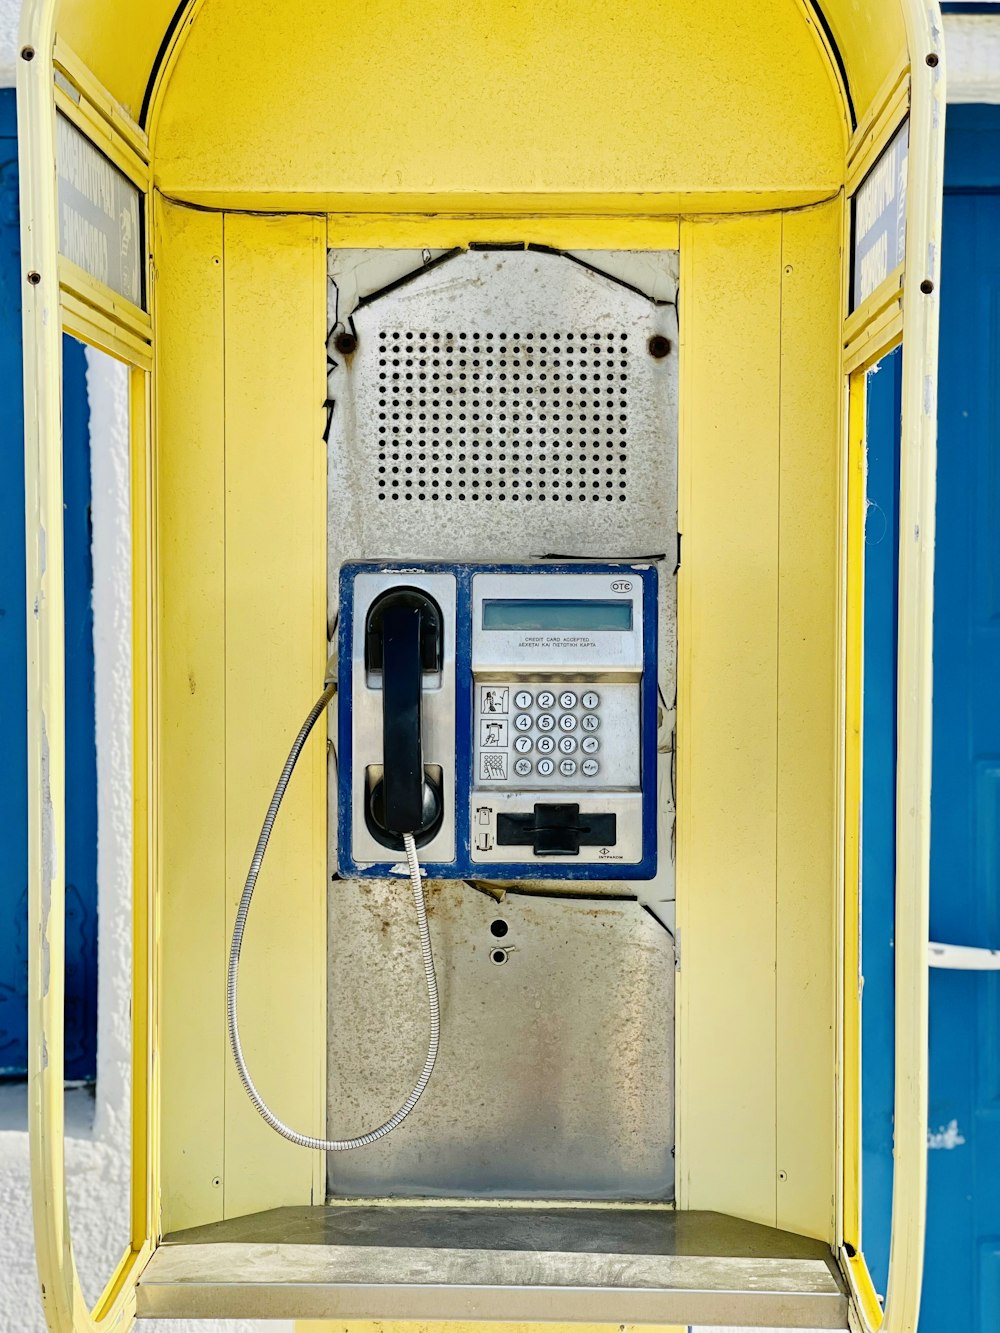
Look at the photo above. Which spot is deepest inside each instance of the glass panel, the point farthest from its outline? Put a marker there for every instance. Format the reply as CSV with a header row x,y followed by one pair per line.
x,y
96,445
878,832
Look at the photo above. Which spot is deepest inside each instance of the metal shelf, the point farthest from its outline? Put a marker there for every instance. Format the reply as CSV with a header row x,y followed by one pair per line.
x,y
406,1261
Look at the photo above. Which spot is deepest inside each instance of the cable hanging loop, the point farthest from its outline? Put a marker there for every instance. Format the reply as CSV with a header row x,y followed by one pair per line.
x,y
232,985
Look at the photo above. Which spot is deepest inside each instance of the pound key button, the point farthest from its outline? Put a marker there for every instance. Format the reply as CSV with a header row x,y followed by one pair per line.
x,y
568,767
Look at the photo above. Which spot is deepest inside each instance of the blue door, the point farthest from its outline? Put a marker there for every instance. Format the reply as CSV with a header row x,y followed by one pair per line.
x,y
962,1270
81,774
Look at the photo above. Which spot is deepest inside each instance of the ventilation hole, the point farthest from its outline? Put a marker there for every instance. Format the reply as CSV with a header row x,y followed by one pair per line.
x,y
555,402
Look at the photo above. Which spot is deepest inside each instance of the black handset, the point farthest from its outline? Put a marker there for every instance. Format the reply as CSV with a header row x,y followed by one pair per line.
x,y
403,640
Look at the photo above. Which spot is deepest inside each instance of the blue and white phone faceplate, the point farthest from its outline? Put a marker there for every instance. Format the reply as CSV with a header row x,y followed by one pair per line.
x,y
537,721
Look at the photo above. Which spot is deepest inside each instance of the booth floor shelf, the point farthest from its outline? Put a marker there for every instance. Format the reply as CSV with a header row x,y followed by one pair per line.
x,y
503,1262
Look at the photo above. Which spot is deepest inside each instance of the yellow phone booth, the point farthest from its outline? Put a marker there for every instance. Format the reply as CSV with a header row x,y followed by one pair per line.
x,y
497,382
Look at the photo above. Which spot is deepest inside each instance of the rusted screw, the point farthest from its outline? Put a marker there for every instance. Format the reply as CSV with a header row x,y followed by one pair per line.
x,y
27,53
933,59
659,346
34,278
927,286
345,342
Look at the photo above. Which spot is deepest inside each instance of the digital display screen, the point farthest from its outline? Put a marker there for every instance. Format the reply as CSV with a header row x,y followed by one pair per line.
x,y
557,614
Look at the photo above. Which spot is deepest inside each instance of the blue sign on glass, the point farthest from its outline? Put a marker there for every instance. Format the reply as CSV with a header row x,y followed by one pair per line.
x,y
99,214
880,218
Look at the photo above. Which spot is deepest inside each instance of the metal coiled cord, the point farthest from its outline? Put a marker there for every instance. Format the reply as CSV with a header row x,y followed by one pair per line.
x,y
416,885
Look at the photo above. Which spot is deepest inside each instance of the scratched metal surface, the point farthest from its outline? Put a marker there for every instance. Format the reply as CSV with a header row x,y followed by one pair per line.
x,y
502,405
555,1073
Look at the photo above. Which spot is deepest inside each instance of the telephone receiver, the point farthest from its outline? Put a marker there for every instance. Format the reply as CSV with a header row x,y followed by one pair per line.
x,y
404,641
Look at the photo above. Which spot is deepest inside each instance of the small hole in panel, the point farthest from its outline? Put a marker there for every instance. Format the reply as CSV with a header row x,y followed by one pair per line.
x,y
498,956
499,928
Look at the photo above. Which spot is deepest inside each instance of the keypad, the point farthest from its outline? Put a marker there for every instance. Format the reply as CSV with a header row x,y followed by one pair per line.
x,y
548,730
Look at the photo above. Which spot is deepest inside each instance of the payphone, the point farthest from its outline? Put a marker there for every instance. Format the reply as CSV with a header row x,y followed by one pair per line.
x,y
506,716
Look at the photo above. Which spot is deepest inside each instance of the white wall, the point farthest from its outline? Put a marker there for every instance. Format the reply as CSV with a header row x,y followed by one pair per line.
x,y
10,12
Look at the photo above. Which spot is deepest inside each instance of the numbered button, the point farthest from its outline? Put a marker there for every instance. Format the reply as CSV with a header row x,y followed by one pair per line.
x,y
567,722
546,722
522,722
522,698
546,699
567,744
522,744
523,766
591,722
545,767
589,700
590,745
546,745
567,699
567,767
589,767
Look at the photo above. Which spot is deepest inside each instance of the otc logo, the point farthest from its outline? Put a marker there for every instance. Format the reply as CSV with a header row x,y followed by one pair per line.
x,y
622,585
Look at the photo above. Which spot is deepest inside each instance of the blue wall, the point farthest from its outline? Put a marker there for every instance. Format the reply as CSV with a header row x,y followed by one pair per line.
x,y
962,1264
81,764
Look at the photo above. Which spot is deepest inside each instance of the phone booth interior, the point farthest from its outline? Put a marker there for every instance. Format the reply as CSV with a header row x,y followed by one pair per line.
x,y
497,385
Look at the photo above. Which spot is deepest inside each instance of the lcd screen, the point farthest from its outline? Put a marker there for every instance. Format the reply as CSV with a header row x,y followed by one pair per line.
x,y
556,614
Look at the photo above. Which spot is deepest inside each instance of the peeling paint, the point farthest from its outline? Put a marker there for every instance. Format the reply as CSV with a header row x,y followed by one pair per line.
x,y
947,1138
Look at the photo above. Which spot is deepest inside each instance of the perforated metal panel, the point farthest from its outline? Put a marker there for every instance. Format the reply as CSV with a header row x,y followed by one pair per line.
x,y
506,416
502,405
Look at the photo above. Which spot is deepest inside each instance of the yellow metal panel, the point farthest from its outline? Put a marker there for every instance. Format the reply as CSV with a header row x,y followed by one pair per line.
x,y
409,230
727,715
872,41
118,41
808,772
499,100
851,1078
190,486
275,653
